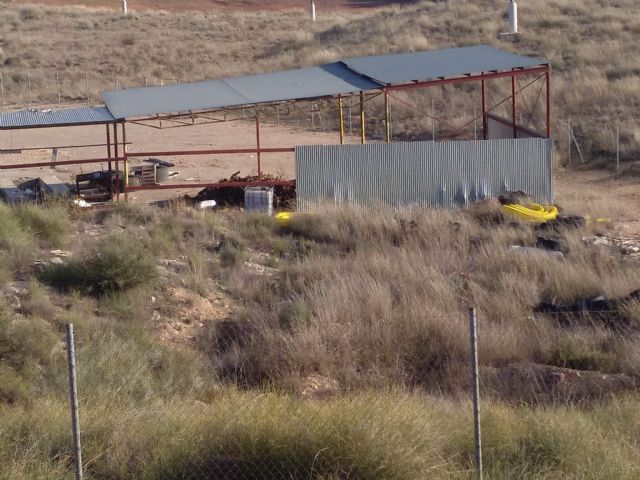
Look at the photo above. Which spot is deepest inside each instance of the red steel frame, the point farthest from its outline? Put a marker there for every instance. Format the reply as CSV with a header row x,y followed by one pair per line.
x,y
113,155
483,78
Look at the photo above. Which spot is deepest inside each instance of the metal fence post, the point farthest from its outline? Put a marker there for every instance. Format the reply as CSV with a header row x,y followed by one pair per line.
x,y
73,397
29,86
86,86
2,88
433,121
475,124
473,324
58,87
569,142
617,145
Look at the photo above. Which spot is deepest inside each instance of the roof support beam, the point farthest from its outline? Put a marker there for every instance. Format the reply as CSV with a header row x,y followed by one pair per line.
x,y
485,76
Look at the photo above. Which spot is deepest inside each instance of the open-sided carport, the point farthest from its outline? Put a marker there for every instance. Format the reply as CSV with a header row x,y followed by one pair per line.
x,y
209,101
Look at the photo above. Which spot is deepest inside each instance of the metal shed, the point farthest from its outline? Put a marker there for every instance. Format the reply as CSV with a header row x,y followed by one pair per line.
x,y
372,75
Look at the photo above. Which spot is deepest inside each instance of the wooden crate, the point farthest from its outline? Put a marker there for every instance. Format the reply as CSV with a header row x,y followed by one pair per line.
x,y
146,172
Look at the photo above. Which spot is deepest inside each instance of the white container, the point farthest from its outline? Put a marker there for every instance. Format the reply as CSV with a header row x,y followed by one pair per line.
x,y
513,17
206,204
258,200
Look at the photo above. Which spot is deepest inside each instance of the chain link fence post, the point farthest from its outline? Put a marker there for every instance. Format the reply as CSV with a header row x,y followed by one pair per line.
x,y
73,397
473,329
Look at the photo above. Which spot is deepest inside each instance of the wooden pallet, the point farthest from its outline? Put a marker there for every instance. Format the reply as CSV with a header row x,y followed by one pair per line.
x,y
146,172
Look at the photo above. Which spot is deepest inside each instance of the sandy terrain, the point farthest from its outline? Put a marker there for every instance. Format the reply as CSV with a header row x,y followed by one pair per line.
x,y
597,193
193,169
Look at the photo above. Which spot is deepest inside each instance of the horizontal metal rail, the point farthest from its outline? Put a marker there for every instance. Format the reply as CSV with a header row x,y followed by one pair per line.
x,y
58,147
176,186
179,153
469,78
61,162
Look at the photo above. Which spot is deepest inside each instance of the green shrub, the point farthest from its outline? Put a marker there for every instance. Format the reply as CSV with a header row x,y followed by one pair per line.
x,y
114,264
26,346
16,242
231,252
570,354
49,223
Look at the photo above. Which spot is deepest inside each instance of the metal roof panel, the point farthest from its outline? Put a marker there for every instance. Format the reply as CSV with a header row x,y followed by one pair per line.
x,y
324,80
313,82
180,98
423,66
54,118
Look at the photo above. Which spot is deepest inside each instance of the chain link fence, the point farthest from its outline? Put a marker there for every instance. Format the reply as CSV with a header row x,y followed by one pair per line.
x,y
222,432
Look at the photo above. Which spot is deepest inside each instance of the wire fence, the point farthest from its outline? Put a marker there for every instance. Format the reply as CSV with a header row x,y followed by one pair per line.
x,y
248,435
607,141
33,88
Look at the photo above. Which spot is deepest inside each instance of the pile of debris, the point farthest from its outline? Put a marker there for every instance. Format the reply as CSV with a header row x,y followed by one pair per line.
x,y
284,196
33,189
613,312
628,247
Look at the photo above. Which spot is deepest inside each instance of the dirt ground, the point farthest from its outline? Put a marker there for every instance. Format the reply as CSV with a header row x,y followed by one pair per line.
x,y
225,5
598,193
192,169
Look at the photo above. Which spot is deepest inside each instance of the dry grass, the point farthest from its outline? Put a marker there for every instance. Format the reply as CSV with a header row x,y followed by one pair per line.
x,y
390,436
372,302
583,41
381,298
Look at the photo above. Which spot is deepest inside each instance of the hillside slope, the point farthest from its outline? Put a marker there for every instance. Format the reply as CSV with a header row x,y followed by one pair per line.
x,y
592,83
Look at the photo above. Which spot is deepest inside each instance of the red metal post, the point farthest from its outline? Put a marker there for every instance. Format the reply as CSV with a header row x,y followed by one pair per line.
x,y
548,79
115,147
513,106
484,109
109,157
258,142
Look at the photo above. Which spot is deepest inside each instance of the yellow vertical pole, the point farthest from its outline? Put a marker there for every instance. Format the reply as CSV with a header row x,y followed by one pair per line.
x,y
126,162
363,139
340,107
387,118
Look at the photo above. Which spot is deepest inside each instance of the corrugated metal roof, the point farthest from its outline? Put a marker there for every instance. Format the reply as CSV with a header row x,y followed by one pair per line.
x,y
338,78
184,97
324,80
423,66
54,118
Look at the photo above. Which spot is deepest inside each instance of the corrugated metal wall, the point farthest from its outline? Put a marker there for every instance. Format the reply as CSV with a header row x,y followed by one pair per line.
x,y
424,173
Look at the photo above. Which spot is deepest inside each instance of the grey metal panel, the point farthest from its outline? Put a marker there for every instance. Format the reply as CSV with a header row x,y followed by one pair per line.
x,y
52,118
422,66
324,80
338,78
431,174
181,98
330,79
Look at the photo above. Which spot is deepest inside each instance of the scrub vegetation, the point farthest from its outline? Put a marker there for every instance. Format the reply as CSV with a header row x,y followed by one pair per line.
x,y
594,84
334,347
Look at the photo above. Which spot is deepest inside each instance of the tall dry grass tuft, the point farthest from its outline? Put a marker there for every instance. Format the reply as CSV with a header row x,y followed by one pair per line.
x,y
381,298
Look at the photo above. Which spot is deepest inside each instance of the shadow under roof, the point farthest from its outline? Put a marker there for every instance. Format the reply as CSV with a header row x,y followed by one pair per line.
x,y
431,65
